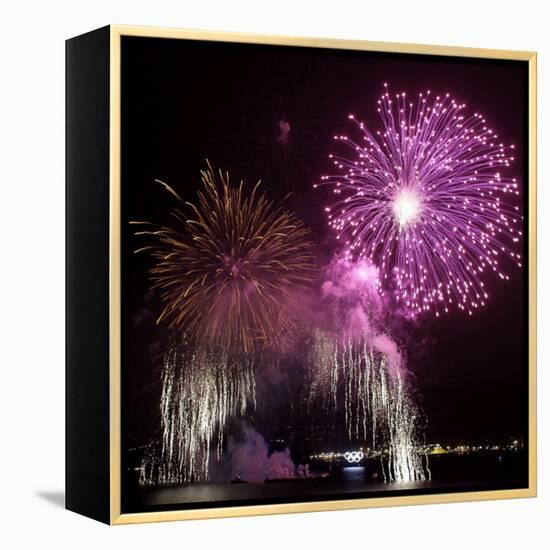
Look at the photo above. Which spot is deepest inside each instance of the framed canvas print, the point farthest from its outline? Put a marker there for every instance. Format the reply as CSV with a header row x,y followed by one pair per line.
x,y
300,274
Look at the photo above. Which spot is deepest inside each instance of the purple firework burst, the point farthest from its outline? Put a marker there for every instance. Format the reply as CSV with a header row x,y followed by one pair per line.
x,y
425,199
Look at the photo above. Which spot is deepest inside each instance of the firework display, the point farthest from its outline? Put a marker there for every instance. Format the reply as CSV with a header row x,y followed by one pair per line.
x,y
229,275
422,209
377,404
201,390
230,272
355,365
427,198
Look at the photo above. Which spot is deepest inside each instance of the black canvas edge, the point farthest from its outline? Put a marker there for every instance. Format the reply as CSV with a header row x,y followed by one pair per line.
x,y
87,275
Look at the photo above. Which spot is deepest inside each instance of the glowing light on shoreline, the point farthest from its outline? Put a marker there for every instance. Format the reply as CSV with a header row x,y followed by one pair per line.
x,y
426,198
354,457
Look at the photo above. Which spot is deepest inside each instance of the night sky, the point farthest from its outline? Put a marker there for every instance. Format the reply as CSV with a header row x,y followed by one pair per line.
x,y
185,101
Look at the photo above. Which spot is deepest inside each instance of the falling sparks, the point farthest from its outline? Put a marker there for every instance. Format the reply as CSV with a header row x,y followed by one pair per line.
x,y
426,200
201,390
376,402
354,366
230,273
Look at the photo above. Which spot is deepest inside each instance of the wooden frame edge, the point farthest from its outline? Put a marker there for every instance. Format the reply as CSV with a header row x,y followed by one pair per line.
x,y
114,280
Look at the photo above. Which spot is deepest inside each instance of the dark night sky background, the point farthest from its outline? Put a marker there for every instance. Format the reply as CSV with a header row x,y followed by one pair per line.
x,y
186,101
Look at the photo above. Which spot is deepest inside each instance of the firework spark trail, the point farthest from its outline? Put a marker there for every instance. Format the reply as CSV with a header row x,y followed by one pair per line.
x,y
232,270
425,200
377,403
230,273
201,390
353,356
323,379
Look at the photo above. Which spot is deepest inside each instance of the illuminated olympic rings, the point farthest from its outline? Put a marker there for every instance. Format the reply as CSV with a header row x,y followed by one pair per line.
x,y
354,456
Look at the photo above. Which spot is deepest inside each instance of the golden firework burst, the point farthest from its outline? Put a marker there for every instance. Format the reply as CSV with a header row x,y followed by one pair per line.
x,y
232,270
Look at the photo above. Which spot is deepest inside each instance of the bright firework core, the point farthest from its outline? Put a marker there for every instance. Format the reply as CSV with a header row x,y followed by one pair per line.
x,y
406,207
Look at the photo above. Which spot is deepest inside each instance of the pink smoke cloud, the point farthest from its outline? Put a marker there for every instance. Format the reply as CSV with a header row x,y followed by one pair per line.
x,y
385,345
355,288
251,460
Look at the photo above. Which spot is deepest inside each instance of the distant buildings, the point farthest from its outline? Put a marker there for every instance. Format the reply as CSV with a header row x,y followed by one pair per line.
x,y
428,449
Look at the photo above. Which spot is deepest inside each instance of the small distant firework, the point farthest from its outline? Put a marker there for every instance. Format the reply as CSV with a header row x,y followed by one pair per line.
x,y
426,200
201,390
230,272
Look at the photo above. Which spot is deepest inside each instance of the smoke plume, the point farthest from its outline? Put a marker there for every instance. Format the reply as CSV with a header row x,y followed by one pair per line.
x,y
251,460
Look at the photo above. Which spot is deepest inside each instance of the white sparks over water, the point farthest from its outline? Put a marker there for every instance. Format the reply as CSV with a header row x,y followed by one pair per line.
x,y
201,391
377,403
